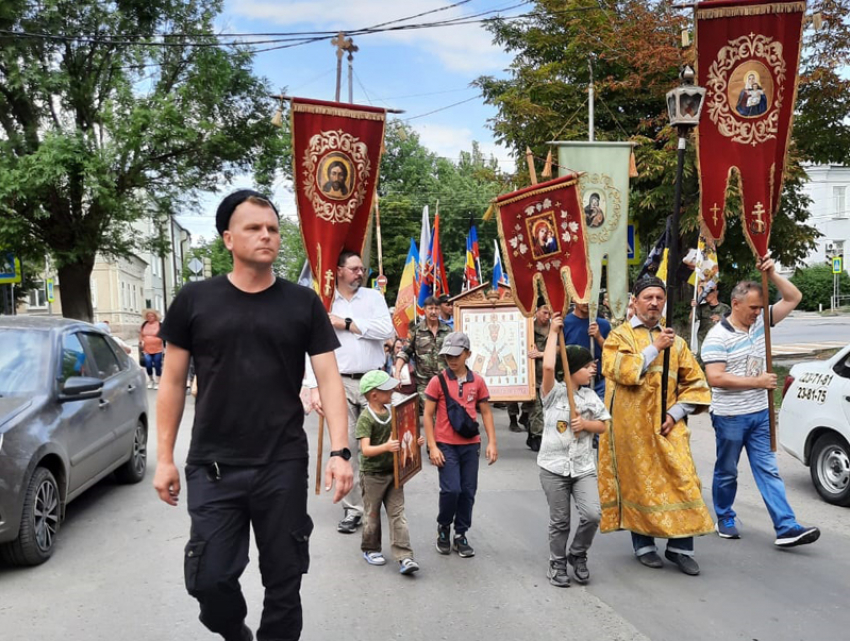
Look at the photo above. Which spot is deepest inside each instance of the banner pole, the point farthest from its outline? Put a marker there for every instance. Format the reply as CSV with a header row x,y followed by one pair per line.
x,y
768,360
378,231
673,265
320,454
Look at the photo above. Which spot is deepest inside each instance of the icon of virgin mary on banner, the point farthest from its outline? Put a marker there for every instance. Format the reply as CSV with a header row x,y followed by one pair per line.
x,y
748,53
336,153
545,243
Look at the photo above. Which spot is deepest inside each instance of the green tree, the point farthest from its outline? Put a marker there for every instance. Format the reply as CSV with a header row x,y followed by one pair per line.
x,y
287,264
633,47
128,108
816,283
412,177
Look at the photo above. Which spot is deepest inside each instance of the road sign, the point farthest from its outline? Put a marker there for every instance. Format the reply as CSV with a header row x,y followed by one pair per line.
x,y
196,266
634,245
48,285
837,266
381,281
10,268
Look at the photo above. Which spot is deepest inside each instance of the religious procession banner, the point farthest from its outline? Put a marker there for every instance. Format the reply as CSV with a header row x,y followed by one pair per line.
x,y
604,194
543,234
336,153
748,54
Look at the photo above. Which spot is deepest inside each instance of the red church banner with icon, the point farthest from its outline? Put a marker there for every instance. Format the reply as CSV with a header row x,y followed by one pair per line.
x,y
545,242
748,53
336,153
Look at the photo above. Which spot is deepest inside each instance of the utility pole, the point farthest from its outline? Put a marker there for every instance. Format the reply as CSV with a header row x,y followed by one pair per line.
x,y
590,105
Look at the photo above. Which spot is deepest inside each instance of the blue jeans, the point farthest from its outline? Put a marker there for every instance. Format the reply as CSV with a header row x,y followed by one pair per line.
x,y
458,484
153,363
645,544
753,432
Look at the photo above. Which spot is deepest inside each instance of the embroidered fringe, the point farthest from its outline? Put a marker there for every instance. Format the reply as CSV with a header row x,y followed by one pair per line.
x,y
536,192
749,10
337,111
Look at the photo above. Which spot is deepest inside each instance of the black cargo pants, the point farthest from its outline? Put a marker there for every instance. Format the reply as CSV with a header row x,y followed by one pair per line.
x,y
223,502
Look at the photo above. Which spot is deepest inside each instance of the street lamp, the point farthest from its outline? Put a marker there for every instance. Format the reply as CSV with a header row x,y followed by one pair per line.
x,y
684,104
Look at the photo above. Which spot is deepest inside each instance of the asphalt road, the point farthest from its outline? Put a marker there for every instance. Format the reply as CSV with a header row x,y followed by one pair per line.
x,y
808,327
117,572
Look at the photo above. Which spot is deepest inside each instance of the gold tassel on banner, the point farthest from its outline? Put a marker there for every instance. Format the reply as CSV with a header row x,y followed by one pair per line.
x,y
529,159
488,214
633,172
277,119
817,21
547,168
686,38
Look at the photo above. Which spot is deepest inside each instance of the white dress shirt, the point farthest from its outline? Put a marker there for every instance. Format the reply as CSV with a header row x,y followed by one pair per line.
x,y
359,353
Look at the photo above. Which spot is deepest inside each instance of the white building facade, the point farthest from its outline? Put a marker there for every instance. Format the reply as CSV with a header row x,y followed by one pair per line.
x,y
829,189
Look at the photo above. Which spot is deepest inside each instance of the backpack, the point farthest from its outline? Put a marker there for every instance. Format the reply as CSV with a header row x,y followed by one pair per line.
x,y
459,418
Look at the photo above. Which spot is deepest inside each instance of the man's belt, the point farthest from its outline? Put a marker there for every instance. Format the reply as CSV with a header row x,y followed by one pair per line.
x,y
355,377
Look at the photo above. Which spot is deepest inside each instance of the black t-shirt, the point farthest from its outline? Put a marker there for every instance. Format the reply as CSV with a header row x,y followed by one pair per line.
x,y
249,352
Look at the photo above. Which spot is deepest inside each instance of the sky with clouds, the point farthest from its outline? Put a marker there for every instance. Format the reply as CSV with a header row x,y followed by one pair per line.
x,y
420,71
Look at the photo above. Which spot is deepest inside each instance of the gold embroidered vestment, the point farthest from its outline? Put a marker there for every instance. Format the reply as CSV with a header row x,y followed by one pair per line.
x,y
647,482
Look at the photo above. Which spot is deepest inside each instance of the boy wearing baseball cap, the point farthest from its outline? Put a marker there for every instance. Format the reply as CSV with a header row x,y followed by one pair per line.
x,y
374,433
567,459
453,399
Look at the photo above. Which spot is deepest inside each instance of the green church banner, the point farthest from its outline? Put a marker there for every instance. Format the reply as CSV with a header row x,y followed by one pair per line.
x,y
604,194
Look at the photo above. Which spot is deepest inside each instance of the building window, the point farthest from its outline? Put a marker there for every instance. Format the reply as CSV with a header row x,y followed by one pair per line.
x,y
37,297
93,287
839,201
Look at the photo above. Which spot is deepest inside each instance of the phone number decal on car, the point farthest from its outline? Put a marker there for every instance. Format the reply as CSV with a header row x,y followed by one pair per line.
x,y
816,378
816,394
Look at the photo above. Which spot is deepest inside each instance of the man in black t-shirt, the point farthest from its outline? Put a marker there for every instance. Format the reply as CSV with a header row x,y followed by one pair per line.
x,y
248,333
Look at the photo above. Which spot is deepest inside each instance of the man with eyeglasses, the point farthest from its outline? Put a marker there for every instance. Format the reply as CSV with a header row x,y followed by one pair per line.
x,y
362,323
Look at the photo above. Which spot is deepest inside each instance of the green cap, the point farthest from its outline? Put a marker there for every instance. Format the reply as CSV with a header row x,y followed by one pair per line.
x,y
377,379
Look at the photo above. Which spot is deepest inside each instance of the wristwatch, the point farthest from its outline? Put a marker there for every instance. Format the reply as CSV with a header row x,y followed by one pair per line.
x,y
348,322
344,453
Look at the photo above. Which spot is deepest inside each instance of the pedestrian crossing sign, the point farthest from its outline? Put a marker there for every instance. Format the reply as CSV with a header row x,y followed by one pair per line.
x,y
10,268
837,266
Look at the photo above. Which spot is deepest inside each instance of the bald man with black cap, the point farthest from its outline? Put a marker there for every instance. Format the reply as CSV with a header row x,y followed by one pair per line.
x,y
248,333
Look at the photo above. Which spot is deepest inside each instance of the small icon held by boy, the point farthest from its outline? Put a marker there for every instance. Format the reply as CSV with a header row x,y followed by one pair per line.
x,y
374,433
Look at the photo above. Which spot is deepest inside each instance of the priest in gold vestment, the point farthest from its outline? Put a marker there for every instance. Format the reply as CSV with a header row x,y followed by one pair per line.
x,y
648,483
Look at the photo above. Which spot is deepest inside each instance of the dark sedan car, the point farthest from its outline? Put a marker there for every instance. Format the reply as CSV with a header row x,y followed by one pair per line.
x,y
73,408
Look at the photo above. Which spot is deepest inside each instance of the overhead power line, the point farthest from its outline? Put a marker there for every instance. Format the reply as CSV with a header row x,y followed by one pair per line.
x,y
283,40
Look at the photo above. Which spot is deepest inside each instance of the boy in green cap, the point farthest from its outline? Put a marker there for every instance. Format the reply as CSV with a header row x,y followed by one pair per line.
x,y
567,460
374,433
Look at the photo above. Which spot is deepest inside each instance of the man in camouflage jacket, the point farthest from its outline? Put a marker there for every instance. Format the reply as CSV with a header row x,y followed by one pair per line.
x,y
424,348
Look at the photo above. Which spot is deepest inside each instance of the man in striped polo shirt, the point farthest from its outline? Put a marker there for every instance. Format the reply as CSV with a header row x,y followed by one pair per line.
x,y
734,357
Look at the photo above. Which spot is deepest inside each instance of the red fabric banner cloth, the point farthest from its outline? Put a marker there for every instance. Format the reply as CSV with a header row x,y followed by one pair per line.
x,y
545,242
748,54
336,153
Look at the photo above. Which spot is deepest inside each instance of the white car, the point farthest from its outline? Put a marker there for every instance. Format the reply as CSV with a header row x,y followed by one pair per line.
x,y
814,423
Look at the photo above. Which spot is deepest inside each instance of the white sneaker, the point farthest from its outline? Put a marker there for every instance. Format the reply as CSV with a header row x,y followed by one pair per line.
x,y
408,566
374,558
151,384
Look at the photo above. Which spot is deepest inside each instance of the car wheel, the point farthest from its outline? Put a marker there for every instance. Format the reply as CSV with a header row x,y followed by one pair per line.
x,y
39,522
133,470
830,468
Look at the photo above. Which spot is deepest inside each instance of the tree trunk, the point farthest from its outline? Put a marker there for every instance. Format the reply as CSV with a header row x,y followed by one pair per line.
x,y
75,289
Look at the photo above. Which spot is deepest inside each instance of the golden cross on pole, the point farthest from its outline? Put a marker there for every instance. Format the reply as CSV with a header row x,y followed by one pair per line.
x,y
342,44
714,210
758,225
